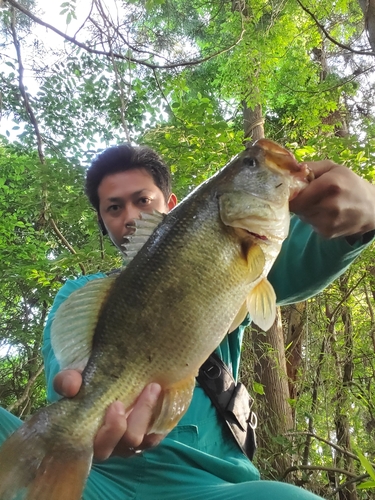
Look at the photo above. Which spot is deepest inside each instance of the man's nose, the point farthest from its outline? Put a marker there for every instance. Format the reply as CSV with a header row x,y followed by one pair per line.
x,y
131,213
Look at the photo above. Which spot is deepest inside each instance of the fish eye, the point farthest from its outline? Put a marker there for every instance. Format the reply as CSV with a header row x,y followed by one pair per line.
x,y
249,162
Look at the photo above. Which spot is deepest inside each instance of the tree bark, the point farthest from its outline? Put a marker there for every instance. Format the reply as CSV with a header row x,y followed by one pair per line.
x,y
314,402
344,368
275,413
368,9
295,320
253,122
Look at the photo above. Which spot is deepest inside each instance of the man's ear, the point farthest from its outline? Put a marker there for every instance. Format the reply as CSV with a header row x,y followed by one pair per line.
x,y
172,202
102,226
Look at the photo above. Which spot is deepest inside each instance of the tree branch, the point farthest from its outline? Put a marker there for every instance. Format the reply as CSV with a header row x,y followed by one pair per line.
x,y
343,486
318,467
85,47
21,86
66,243
164,96
119,81
320,26
27,389
120,35
329,443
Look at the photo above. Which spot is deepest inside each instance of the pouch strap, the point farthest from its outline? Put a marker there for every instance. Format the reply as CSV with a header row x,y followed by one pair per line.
x,y
231,400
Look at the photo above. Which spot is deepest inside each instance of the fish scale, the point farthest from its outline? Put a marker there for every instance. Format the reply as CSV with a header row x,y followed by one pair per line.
x,y
199,272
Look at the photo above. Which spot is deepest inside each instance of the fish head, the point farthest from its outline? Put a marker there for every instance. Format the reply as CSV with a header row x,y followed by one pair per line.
x,y
255,191
278,159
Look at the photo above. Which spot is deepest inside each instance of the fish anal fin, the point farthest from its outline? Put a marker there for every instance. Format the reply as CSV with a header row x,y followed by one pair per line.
x,y
261,304
173,403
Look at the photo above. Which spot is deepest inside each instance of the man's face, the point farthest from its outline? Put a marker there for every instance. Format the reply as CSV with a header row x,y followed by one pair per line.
x,y
123,196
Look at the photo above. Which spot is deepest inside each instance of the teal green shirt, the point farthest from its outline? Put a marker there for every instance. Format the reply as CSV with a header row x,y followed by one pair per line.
x,y
201,447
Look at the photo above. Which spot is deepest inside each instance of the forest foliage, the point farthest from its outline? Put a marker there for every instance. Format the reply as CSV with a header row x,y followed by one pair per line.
x,y
184,76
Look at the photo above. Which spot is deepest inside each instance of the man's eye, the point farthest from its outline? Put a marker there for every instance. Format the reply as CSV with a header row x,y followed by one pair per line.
x,y
144,201
113,208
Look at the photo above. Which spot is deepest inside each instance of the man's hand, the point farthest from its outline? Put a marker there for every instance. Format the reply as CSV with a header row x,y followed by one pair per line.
x,y
337,202
122,431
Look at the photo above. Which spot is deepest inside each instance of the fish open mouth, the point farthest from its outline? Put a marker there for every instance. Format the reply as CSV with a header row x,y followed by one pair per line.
x,y
258,236
245,234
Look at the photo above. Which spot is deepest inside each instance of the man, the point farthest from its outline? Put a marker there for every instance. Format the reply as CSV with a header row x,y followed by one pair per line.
x,y
199,458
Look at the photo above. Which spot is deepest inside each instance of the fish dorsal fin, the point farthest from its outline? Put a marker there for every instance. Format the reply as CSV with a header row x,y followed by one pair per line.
x,y
74,324
144,227
261,304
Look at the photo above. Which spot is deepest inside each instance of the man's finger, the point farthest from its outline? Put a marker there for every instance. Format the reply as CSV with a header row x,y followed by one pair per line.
x,y
321,167
306,201
67,383
113,429
141,416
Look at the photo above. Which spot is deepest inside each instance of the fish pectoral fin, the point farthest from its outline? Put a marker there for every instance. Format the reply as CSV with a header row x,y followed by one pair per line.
x,y
256,261
144,227
73,326
261,304
240,316
172,405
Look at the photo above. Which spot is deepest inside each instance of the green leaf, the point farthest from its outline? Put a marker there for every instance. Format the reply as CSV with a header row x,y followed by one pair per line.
x,y
258,388
366,464
366,485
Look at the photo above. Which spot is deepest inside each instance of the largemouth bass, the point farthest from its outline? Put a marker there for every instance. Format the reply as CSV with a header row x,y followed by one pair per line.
x,y
192,279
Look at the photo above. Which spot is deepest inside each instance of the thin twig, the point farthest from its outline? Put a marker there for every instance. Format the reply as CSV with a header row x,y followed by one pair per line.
x,y
333,445
318,467
85,47
346,47
21,86
164,96
27,389
119,81
348,483
84,22
66,243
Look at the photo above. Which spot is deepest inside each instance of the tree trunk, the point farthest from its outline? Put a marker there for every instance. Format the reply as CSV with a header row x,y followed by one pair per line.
x,y
339,117
295,320
314,402
344,367
368,9
253,122
274,413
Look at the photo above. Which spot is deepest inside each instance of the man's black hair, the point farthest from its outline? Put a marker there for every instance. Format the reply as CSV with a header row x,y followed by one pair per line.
x,y
122,158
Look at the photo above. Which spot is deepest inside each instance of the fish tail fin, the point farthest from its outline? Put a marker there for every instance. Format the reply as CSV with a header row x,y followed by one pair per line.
x,y
37,467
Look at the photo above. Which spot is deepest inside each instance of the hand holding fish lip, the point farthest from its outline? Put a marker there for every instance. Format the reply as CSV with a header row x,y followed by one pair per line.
x,y
337,203
122,433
